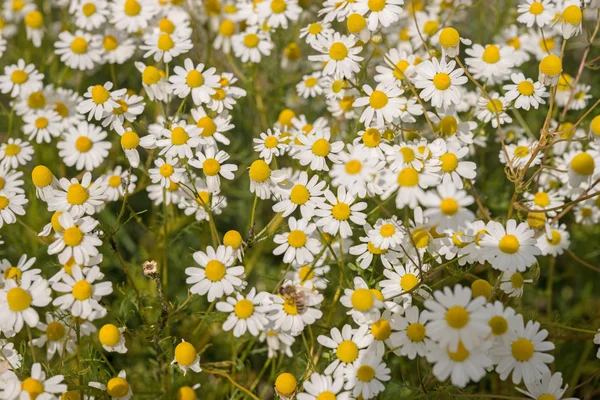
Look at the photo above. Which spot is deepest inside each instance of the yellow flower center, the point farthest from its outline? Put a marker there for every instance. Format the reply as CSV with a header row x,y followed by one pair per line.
x,y
517,280
481,287
12,273
299,194
441,81
551,65
19,76
416,332
79,45
362,299
109,335
165,42
18,299
166,170
88,9
514,42
498,324
117,387
371,137
536,8
355,23
431,27
289,307
583,164
536,220
271,142
100,94
408,177
179,136
321,147
207,124
365,373
353,167
36,100
82,290
525,88
541,199
448,126
251,40
110,43
509,244
449,37
260,171
33,387
521,151
555,239
341,211
77,194
151,75
522,349
278,6
227,28
132,8
495,105
381,329
347,351
165,25
186,393
457,317
243,308
449,206
194,79
310,82
387,230
41,176
449,162
215,270
326,396
114,181
546,397
378,99
491,54
315,28
297,238
461,353
55,331
408,282
34,19
338,51
41,123
285,384
73,236
61,109
233,239
130,140
83,144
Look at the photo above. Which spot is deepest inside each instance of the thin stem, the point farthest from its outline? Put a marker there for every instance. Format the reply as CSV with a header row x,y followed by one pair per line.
x,y
226,375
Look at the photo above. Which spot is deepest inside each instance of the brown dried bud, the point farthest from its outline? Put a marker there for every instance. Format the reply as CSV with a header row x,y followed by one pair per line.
x,y
150,268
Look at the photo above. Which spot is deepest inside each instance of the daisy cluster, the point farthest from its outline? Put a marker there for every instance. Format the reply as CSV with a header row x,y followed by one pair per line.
x,y
314,178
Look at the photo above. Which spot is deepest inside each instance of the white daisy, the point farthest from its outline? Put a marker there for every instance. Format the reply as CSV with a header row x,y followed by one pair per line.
x,y
525,91
78,51
245,313
11,205
20,79
439,81
195,80
364,377
340,54
335,214
297,244
348,345
383,104
213,165
84,146
252,44
187,357
180,139
166,172
18,300
365,304
112,339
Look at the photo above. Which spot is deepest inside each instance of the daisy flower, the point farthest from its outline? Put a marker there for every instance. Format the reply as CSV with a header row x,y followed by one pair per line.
x,y
20,79
581,97
78,51
340,54
83,295
381,12
84,146
357,172
36,385
448,207
534,12
195,80
129,143
216,275
226,96
10,180
387,233
180,139
212,128
365,375
403,281
11,205
132,15
288,315
491,63
520,154
383,104
549,385
252,44
526,93
493,110
91,14
513,283
119,182
511,249
364,303
117,48
439,81
187,357
581,167
100,100
212,164
42,125
164,47
8,271
117,387
44,181
19,300
570,19
78,239
323,387
306,194
348,345
297,244
554,241
245,313
226,31
154,81
315,31
408,184
400,64
455,317
270,145
112,339
550,69
338,210
34,27
166,172
523,352
277,342
277,13
263,179
462,365
316,148
129,108
310,85
409,337
453,168
56,337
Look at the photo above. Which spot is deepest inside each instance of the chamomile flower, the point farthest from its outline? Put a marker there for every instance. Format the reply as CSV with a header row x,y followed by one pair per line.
x,y
84,146
263,179
365,375
42,125
132,15
316,148
450,40
493,109
323,387
383,104
525,92
581,97
20,79
166,172
252,45
455,317
399,64
245,313
11,205
570,20
549,385
453,168
56,336
315,31
581,167
448,207
513,283
112,339
408,185
409,337
336,213
277,342
554,241
77,239
270,144
44,181
117,48
304,193
119,182
347,345
130,106
357,172
213,165
34,27
403,282
10,180
523,352
78,51
223,41
439,81
297,245
491,63
521,153
91,14
534,12
8,271
186,357
216,275
277,13
288,315
550,69
37,385
164,47
509,249
154,81
83,294
199,82
14,153
310,85
129,143
365,304
340,52
461,365
117,387
180,139
19,300
387,233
